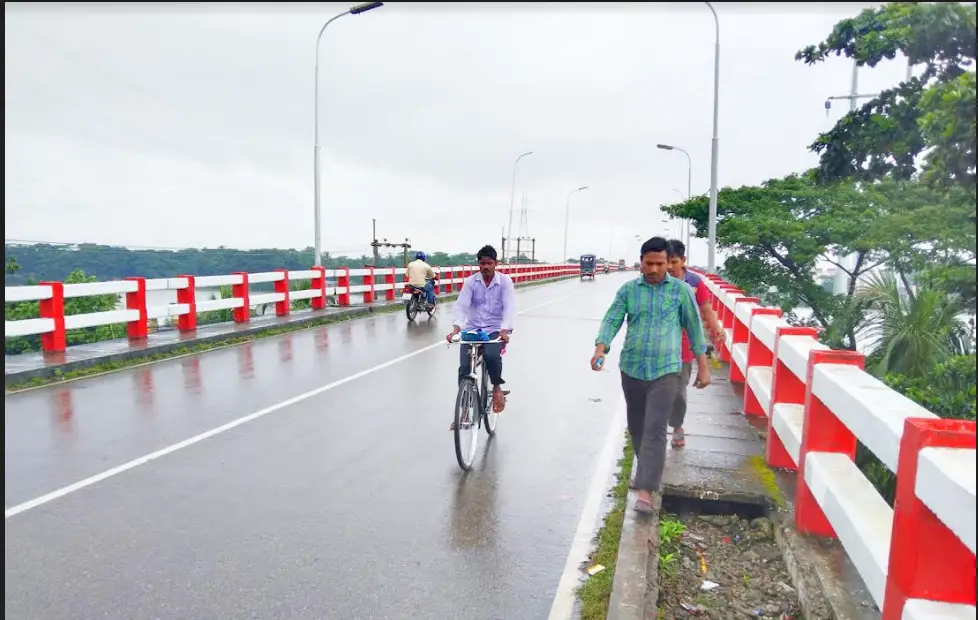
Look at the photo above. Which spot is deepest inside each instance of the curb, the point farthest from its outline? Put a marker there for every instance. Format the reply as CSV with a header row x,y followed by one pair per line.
x,y
635,589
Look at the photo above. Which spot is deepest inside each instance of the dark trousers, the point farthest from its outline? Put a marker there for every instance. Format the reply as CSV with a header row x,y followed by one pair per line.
x,y
492,357
678,414
649,404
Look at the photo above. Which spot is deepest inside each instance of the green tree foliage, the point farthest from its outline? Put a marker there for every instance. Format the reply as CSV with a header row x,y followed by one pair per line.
x,y
931,117
55,262
778,233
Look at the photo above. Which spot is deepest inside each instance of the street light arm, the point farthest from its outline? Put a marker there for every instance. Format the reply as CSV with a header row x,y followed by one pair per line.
x,y
715,19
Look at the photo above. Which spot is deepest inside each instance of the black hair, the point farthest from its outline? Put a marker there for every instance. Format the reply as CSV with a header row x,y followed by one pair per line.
x,y
487,251
675,249
655,244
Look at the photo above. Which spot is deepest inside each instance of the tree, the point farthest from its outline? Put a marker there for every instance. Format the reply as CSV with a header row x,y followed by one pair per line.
x,y
931,117
779,232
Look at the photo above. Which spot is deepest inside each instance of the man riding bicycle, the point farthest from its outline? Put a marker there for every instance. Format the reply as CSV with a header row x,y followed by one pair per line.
x,y
421,276
487,301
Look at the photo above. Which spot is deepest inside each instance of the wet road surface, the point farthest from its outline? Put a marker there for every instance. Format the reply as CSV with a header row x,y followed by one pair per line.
x,y
345,502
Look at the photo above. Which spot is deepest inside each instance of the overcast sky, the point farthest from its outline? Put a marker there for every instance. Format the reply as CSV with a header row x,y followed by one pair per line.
x,y
193,126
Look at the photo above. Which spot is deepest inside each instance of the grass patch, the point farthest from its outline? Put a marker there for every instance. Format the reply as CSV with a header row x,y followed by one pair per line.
x,y
595,593
101,368
766,476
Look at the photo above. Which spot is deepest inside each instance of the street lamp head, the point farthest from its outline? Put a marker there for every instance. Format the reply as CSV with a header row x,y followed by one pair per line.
x,y
582,188
664,147
363,8
527,153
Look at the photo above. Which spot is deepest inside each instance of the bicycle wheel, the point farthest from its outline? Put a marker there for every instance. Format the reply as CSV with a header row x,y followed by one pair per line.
x,y
467,417
486,401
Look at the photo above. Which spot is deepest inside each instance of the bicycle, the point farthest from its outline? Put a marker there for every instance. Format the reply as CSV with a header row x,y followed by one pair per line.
x,y
473,404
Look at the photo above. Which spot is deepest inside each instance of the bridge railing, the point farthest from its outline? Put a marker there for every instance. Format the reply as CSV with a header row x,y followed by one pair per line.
x,y
376,284
917,558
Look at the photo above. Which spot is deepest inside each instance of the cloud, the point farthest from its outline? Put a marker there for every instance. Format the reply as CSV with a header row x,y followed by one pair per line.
x,y
169,128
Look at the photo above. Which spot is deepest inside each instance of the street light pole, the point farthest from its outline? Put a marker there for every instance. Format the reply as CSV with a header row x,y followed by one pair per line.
x,y
316,149
512,200
689,183
715,148
567,218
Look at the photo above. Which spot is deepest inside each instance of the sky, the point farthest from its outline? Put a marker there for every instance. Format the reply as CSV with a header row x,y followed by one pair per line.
x,y
185,125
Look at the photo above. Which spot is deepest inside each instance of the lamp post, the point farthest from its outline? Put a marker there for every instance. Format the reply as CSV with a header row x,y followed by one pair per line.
x,y
317,211
567,218
512,200
689,181
714,149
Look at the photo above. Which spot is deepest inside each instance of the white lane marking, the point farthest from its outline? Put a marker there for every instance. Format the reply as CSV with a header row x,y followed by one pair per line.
x,y
115,471
563,604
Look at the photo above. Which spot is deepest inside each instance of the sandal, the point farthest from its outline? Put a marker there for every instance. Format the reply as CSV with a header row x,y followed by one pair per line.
x,y
678,438
498,401
643,506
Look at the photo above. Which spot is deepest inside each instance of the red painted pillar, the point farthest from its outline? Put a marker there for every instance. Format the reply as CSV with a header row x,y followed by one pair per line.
x,y
757,355
368,280
822,432
741,331
188,297
390,281
54,308
318,283
242,292
927,560
343,283
727,320
282,286
447,285
785,388
136,300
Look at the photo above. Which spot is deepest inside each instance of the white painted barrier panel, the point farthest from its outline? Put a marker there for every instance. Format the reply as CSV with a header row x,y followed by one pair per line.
x,y
946,484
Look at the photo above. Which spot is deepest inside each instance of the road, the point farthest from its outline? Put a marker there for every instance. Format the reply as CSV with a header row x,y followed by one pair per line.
x,y
312,475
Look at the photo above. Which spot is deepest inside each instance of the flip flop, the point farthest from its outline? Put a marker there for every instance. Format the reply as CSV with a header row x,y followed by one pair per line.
x,y
498,403
643,506
678,438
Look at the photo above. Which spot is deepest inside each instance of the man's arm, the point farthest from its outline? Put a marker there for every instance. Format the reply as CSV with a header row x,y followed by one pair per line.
x,y
707,313
509,305
429,272
460,309
689,318
611,323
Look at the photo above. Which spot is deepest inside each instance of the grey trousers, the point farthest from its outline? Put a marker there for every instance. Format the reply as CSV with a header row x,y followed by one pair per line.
x,y
678,414
649,404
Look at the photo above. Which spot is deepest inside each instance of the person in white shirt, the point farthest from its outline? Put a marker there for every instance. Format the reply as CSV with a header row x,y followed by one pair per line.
x,y
421,276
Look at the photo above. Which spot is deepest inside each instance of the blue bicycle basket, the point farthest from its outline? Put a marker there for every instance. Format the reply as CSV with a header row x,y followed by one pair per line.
x,y
475,336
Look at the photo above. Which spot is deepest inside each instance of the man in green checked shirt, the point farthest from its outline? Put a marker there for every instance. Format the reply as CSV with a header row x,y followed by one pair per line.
x,y
658,307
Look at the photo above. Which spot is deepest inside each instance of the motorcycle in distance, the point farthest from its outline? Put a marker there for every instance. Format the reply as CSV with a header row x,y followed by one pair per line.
x,y
414,301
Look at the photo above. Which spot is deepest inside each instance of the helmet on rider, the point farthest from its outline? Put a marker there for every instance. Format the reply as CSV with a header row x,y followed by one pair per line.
x,y
421,256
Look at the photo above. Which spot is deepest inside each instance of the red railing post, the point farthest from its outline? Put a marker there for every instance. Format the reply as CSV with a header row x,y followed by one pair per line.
x,y
927,560
757,355
283,307
188,297
785,388
136,300
241,291
54,308
823,431
343,282
318,283
368,280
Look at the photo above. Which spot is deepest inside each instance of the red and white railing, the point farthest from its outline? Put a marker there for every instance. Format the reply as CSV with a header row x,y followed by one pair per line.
x,y
377,284
917,558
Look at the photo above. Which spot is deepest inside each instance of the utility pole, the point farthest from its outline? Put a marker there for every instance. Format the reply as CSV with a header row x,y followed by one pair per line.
x,y
405,246
533,250
375,245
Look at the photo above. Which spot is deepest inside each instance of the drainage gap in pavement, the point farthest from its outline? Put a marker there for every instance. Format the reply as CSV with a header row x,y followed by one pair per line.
x,y
720,560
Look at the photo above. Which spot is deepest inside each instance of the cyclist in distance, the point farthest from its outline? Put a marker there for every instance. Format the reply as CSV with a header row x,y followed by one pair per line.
x,y
487,301
421,276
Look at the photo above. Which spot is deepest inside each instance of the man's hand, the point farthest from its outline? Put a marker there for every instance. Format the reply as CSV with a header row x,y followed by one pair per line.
x,y
504,335
455,331
719,334
598,359
703,374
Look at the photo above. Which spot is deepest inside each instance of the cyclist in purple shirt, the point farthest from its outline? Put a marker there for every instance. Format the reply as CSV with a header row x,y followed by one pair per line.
x,y
487,301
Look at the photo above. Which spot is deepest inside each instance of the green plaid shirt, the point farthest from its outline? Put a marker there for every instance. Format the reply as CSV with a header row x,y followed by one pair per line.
x,y
657,315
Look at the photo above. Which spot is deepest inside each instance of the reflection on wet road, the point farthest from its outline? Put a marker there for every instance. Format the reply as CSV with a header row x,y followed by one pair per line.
x,y
341,500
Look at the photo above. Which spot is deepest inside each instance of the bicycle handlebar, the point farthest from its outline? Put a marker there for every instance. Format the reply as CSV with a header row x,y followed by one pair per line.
x,y
458,340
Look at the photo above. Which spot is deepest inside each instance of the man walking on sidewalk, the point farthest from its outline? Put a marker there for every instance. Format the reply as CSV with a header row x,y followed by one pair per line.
x,y
658,308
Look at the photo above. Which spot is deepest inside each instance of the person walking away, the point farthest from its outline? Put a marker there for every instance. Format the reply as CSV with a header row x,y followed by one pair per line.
x,y
421,276
487,301
676,254
658,307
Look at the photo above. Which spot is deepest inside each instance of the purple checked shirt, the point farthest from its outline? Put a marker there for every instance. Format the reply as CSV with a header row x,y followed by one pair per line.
x,y
489,307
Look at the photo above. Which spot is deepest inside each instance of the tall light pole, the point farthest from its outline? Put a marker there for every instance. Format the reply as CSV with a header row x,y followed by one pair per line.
x,y
567,218
714,150
689,182
316,149
512,200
